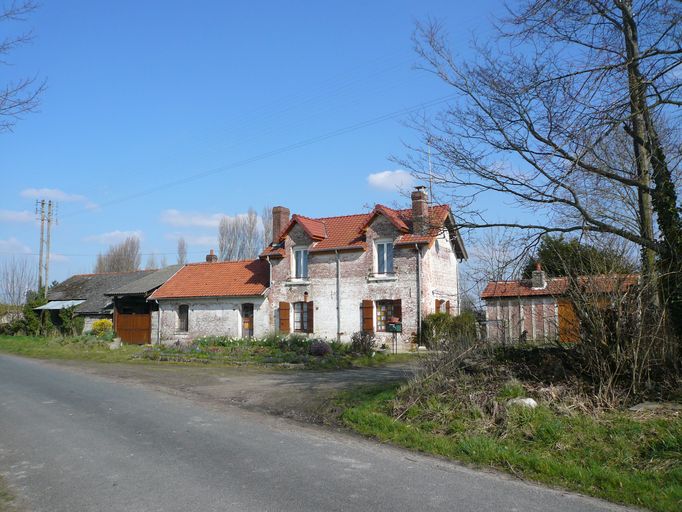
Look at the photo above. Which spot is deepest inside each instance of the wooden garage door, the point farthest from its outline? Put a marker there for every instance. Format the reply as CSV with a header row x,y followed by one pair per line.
x,y
134,328
569,325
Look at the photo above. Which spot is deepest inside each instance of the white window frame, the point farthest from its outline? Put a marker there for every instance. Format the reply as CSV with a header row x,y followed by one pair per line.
x,y
300,317
388,264
294,266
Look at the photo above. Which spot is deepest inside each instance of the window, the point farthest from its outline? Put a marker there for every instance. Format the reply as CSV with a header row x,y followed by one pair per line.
x,y
301,263
384,257
387,309
183,318
300,316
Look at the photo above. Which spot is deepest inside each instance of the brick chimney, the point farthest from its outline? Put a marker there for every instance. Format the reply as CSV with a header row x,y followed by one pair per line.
x,y
211,257
280,219
538,277
420,210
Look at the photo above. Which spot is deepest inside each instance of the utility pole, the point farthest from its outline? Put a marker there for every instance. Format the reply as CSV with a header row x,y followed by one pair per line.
x,y
50,212
40,210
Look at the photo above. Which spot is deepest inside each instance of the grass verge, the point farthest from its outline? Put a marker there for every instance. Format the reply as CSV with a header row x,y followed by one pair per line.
x,y
623,457
213,351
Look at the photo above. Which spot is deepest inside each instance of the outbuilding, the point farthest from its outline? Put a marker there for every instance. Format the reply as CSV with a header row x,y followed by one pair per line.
x,y
213,299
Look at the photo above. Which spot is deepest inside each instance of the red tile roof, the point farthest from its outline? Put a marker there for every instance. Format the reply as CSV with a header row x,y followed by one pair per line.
x,y
348,232
556,286
220,279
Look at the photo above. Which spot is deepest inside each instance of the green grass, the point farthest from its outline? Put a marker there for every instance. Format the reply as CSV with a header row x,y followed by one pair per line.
x,y
616,455
85,349
7,499
214,351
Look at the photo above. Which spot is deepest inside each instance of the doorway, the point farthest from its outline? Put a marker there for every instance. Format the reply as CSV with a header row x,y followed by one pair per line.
x,y
247,320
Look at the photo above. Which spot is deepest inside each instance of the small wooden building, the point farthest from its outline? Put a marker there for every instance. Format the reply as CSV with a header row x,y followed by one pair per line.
x,y
133,315
538,309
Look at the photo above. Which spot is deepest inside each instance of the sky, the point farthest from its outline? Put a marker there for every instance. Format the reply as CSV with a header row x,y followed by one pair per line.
x,y
159,117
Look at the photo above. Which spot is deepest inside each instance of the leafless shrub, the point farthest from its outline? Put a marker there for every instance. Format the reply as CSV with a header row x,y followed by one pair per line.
x,y
624,350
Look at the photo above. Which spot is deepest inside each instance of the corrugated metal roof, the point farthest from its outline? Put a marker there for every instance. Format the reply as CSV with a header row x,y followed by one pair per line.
x,y
60,304
146,284
92,289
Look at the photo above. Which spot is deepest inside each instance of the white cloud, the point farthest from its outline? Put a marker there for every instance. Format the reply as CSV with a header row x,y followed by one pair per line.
x,y
205,241
191,219
12,245
57,195
391,180
16,216
113,237
59,258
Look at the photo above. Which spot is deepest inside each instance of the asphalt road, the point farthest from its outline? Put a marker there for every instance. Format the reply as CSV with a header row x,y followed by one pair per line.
x,y
73,441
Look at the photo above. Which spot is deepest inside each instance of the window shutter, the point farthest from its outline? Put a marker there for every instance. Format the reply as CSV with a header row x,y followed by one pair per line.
x,y
398,309
438,304
284,317
447,307
367,316
311,315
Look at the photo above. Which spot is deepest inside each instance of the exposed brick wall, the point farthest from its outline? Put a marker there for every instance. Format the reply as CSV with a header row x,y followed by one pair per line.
x,y
508,318
209,317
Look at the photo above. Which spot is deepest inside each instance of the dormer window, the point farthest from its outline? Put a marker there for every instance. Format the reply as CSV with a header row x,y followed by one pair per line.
x,y
301,263
384,255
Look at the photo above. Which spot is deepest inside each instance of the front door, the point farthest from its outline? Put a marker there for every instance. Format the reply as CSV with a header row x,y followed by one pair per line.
x,y
247,320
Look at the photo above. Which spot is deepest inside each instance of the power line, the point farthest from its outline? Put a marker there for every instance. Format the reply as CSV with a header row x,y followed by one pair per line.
x,y
284,149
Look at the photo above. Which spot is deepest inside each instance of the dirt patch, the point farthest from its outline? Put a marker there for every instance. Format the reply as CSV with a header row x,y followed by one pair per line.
x,y
298,394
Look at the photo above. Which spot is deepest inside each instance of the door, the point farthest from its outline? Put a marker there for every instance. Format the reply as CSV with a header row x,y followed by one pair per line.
x,y
569,325
134,327
247,320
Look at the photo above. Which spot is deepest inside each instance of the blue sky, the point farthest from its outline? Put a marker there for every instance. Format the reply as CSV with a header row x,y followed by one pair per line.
x,y
143,95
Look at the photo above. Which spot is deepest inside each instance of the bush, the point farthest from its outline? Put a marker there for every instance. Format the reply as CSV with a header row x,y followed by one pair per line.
x,y
71,323
102,327
440,329
295,343
363,342
319,348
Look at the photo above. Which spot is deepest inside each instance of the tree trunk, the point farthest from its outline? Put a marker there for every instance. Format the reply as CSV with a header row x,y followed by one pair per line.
x,y
637,129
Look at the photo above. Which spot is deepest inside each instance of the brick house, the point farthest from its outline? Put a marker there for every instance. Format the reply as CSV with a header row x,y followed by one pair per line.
x,y
537,309
328,277
334,276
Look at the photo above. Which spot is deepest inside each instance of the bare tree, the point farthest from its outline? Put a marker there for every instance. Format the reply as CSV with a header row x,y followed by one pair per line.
x,y
229,238
122,257
163,262
266,219
535,118
21,96
151,262
240,237
17,277
493,256
253,235
182,251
